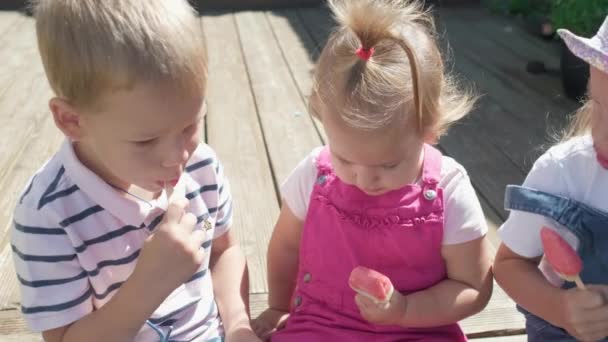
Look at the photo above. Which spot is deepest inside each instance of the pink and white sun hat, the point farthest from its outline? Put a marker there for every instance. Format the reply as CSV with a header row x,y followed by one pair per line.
x,y
592,50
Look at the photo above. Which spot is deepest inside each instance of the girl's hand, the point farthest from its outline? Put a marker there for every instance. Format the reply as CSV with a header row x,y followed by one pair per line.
x,y
585,313
268,322
391,313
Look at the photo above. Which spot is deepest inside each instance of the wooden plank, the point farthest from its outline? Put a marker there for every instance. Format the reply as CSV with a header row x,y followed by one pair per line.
x,y
23,109
318,23
235,133
506,63
490,170
508,33
289,133
8,20
19,50
21,338
299,50
531,104
493,220
257,303
499,317
13,324
9,289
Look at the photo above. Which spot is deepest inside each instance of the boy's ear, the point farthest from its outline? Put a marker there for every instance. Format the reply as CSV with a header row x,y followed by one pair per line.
x,y
67,118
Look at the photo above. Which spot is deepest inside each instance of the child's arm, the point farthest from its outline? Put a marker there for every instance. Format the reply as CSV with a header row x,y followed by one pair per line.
x,y
584,314
174,246
283,257
465,292
231,286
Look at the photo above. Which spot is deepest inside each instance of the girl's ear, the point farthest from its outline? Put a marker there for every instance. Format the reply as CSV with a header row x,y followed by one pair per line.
x,y
431,138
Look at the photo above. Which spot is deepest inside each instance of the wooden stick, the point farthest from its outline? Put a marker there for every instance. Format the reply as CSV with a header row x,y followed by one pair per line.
x,y
579,283
575,279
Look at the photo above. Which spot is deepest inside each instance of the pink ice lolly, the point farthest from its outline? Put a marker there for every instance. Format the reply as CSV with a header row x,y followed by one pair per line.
x,y
371,284
562,257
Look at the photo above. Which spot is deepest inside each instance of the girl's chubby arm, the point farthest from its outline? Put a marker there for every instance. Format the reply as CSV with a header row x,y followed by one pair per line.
x,y
583,313
465,291
283,257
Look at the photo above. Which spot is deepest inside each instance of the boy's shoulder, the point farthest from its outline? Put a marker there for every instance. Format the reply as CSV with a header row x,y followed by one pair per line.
x,y
48,184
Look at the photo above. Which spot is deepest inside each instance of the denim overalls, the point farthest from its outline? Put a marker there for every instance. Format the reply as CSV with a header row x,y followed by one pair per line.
x,y
589,225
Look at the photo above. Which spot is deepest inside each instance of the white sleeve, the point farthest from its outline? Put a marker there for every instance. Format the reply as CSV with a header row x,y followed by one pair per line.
x,y
521,231
297,188
463,217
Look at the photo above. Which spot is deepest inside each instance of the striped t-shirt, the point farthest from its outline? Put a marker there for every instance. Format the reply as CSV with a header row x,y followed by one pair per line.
x,y
76,239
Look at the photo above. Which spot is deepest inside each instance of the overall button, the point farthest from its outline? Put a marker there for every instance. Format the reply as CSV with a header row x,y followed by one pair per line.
x,y
307,278
321,180
297,301
430,194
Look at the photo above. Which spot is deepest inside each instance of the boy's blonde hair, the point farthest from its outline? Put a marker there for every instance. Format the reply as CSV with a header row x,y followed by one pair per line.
x,y
403,80
89,47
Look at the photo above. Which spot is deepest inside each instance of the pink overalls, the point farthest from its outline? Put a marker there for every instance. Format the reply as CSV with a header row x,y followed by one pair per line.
x,y
399,234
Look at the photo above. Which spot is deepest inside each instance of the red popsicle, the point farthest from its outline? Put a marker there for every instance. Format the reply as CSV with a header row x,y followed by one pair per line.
x,y
371,284
562,257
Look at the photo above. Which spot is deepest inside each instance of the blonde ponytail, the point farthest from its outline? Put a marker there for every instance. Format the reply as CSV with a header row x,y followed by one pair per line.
x,y
401,79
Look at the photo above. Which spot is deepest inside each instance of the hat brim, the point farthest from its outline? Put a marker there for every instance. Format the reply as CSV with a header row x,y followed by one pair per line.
x,y
586,49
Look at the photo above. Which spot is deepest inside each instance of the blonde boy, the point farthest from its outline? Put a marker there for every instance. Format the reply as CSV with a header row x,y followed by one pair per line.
x,y
101,252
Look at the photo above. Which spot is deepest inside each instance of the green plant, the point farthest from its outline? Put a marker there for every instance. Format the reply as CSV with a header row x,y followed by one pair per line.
x,y
582,17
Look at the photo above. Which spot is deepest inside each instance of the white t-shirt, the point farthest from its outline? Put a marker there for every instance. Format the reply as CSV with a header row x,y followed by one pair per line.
x,y
570,170
463,216
76,239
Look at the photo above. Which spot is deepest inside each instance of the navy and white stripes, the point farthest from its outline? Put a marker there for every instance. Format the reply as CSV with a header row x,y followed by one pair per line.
x,y
75,242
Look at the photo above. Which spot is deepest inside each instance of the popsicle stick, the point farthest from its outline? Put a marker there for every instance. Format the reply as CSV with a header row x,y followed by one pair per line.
x,y
168,191
579,283
575,279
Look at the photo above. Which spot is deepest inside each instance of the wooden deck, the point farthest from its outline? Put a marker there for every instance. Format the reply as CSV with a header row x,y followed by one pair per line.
x,y
261,65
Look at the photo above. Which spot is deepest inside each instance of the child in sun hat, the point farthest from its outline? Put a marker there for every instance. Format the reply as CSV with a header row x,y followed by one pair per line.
x,y
566,190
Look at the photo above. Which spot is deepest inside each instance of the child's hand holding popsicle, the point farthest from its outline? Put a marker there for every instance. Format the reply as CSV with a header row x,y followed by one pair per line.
x,y
174,245
584,310
376,298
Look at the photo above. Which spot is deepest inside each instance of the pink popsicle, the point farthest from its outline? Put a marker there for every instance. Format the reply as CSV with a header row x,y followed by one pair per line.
x,y
562,257
371,284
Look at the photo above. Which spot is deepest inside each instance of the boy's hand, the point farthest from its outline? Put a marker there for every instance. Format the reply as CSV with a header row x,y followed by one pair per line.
x,y
268,322
585,313
391,313
173,253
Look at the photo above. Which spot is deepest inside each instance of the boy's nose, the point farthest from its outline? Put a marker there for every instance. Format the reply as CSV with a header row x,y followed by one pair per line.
x,y
176,158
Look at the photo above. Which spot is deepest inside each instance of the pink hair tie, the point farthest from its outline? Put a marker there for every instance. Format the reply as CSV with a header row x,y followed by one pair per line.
x,y
365,54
